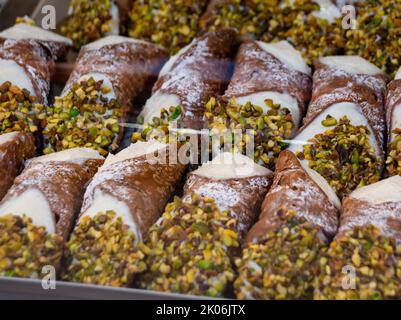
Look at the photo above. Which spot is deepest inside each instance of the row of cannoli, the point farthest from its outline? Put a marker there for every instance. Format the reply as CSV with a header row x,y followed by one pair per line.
x,y
232,210
306,246
315,27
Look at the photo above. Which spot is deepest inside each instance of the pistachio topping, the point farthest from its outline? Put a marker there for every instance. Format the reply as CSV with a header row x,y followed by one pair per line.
x,y
377,34
188,250
268,128
88,21
83,117
18,109
393,161
25,248
25,20
159,127
249,17
360,264
283,264
343,155
102,251
312,35
170,23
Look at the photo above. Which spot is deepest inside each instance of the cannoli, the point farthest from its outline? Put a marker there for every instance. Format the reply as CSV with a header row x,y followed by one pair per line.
x,y
57,44
298,188
91,20
299,200
191,77
94,105
313,26
172,24
393,113
26,70
38,212
366,249
15,148
123,200
268,93
343,132
190,249
376,33
249,17
236,183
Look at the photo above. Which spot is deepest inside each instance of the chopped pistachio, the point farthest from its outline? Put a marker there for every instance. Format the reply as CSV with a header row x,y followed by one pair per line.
x,y
394,154
283,264
189,249
83,117
88,21
313,36
18,109
377,35
268,128
170,23
344,156
360,264
26,248
102,251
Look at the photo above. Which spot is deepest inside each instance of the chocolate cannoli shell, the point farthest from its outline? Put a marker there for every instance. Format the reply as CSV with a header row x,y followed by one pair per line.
x,y
129,65
58,47
331,86
257,70
206,20
294,189
199,73
242,196
124,7
13,153
63,185
35,59
386,216
393,99
143,186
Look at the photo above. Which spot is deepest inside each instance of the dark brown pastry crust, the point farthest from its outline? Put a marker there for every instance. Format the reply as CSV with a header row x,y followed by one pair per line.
x,y
332,86
13,153
358,213
242,196
393,98
63,185
145,187
35,59
294,190
257,70
200,73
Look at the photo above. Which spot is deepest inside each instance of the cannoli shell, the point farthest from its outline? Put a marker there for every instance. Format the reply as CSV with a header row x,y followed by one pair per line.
x,y
63,185
199,73
35,59
130,66
293,189
393,98
358,213
257,70
145,187
332,86
13,153
242,196
206,20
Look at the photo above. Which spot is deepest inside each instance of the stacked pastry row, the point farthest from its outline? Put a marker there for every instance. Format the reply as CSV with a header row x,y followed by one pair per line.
x,y
113,224
315,27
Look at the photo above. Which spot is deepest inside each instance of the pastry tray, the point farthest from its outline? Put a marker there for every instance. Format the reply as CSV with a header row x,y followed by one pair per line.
x,y
29,289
